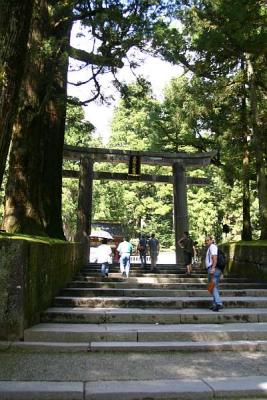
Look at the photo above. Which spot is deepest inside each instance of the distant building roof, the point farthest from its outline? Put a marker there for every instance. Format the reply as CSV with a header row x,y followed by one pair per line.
x,y
114,228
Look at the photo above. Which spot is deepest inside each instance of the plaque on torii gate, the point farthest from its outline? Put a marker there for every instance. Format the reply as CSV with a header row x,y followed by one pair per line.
x,y
180,162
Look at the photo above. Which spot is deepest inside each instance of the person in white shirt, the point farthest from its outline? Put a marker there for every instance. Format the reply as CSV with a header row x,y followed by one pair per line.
x,y
104,257
125,249
214,273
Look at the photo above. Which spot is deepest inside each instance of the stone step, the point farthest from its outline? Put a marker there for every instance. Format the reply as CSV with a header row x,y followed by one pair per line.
x,y
145,270
179,286
49,332
154,279
249,387
129,292
140,347
201,346
138,266
158,302
138,274
154,316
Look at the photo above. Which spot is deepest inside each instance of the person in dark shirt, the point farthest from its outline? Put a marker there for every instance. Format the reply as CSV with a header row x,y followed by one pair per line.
x,y
142,248
153,245
187,244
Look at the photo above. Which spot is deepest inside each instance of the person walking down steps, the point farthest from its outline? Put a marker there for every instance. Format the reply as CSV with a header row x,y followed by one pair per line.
x,y
214,273
125,250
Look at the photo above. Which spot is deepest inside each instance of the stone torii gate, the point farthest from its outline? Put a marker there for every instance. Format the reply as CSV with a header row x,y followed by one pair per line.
x,y
180,162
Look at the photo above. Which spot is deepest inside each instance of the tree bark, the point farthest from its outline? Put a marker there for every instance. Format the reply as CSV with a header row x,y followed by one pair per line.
x,y
260,148
15,17
33,198
23,206
246,228
53,146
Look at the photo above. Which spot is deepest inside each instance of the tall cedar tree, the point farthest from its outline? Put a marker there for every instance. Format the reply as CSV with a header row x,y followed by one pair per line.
x,y
15,17
33,198
33,194
216,38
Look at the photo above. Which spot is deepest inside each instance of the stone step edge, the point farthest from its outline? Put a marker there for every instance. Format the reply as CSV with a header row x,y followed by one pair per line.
x,y
239,345
114,327
190,292
124,346
207,388
155,311
161,298
70,347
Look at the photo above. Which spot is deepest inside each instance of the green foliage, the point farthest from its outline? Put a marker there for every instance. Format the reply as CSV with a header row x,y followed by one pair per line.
x,y
195,115
135,117
79,132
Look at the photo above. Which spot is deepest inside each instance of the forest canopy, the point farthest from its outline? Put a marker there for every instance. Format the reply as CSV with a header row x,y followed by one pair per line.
x,y
218,104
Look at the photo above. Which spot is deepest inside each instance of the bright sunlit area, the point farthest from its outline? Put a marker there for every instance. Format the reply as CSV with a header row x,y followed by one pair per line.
x,y
155,70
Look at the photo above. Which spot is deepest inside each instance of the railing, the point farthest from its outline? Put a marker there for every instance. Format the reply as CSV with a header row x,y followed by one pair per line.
x,y
136,259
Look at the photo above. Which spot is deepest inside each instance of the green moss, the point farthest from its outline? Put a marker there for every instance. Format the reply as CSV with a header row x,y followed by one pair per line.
x,y
31,238
252,243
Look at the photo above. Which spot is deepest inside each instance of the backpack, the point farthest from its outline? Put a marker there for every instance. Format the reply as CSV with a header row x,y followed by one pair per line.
x,y
142,245
221,260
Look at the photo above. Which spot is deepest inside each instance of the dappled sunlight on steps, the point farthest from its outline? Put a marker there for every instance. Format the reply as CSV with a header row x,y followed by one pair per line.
x,y
162,311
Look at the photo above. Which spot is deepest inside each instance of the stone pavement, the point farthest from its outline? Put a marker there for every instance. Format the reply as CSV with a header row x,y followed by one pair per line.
x,y
43,374
149,337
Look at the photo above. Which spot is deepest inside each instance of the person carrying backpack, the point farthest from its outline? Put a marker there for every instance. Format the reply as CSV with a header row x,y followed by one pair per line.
x,y
214,273
142,248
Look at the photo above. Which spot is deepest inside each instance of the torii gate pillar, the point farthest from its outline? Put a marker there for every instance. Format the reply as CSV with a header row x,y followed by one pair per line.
x,y
180,207
84,211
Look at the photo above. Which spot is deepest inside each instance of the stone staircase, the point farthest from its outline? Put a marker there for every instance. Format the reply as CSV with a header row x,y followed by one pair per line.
x,y
162,311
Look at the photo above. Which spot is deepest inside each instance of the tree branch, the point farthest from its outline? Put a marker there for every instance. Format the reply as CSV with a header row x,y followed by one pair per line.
x,y
94,59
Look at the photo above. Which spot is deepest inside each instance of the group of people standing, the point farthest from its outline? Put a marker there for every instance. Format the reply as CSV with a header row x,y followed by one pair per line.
x,y
151,246
125,249
144,246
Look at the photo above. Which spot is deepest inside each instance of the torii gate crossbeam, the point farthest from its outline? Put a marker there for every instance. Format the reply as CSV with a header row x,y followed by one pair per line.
x,y
179,162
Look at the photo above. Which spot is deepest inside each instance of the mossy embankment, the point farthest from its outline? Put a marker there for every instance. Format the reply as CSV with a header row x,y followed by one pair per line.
x,y
247,259
32,271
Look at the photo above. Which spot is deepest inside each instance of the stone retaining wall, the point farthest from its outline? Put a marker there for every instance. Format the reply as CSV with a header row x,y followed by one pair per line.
x,y
247,259
31,274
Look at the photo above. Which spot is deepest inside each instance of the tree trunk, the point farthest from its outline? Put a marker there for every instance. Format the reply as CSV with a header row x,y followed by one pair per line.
x,y
260,146
15,17
262,188
246,229
33,200
23,196
56,114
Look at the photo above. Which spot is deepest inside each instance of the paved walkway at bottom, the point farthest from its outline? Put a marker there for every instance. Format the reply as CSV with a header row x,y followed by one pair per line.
x,y
126,376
